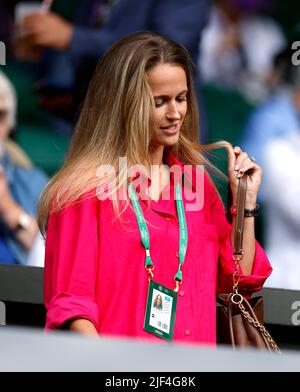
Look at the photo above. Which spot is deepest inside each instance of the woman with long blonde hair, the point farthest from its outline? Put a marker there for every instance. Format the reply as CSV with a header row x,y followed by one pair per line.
x,y
132,214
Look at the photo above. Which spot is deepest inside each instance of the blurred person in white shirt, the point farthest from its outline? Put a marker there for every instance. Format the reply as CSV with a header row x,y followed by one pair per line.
x,y
238,46
281,165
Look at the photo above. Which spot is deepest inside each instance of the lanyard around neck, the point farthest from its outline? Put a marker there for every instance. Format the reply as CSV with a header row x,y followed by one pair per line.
x,y
144,233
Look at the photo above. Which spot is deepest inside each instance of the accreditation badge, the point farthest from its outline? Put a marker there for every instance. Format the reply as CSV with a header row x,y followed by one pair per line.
x,y
160,311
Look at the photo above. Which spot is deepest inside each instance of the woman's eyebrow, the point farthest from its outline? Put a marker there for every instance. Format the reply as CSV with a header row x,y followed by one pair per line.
x,y
166,96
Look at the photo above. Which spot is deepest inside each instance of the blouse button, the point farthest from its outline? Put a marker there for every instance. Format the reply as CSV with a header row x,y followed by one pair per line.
x,y
168,218
177,254
181,293
187,332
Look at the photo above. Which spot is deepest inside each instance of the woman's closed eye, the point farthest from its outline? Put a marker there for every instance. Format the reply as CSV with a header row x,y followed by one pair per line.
x,y
161,101
181,98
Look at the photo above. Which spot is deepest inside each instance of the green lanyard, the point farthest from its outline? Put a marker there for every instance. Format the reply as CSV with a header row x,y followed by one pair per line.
x,y
145,238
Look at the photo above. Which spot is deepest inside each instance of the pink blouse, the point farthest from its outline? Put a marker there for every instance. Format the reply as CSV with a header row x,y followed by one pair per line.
x,y
94,266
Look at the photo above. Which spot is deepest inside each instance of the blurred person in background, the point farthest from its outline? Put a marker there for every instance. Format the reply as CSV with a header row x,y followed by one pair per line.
x,y
20,188
280,158
278,116
73,48
238,46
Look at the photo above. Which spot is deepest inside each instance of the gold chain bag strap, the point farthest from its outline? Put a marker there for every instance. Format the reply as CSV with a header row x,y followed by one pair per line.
x,y
240,322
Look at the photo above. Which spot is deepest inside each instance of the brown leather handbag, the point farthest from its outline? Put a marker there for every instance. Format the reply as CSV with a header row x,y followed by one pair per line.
x,y
240,321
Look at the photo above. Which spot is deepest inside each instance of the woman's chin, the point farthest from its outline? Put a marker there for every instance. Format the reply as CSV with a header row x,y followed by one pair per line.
x,y
170,140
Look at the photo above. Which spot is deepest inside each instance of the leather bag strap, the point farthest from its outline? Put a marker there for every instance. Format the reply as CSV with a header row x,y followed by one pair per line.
x,y
236,299
239,223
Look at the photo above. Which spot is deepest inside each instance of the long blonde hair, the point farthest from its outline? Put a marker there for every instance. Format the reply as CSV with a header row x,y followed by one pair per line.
x,y
117,120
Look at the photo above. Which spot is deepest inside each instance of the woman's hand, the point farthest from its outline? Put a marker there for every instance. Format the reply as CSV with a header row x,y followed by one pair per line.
x,y
10,212
6,200
238,164
48,30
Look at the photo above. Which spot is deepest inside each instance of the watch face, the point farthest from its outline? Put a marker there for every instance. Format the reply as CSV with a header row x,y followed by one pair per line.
x,y
24,220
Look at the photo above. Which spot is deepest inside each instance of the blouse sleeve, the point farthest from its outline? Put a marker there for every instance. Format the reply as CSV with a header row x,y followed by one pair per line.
x,y
71,264
261,269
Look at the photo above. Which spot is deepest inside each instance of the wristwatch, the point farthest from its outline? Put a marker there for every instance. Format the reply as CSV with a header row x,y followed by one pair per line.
x,y
253,212
24,221
247,212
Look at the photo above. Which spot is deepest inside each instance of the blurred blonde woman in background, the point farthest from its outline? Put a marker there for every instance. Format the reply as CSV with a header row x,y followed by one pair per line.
x,y
20,188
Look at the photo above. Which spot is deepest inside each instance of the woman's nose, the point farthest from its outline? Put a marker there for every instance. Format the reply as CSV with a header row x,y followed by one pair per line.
x,y
173,112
